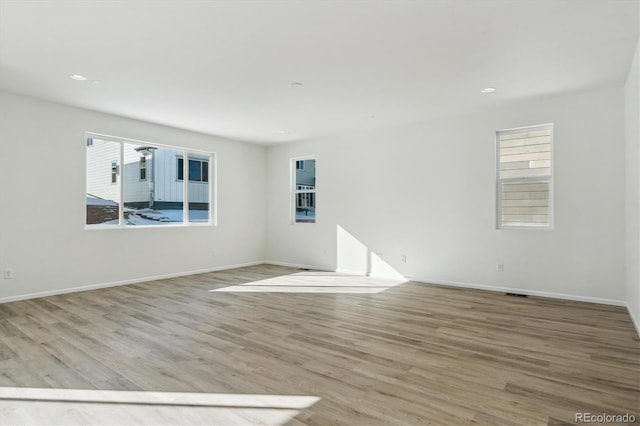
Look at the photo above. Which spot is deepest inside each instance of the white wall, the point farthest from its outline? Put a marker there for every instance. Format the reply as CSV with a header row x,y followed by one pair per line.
x,y
632,108
428,191
42,204
425,191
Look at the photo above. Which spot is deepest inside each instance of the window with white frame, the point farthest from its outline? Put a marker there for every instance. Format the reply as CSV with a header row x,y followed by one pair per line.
x,y
524,177
140,188
303,183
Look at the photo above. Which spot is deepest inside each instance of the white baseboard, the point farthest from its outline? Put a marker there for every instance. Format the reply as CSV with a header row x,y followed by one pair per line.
x,y
551,295
634,320
299,266
125,282
523,291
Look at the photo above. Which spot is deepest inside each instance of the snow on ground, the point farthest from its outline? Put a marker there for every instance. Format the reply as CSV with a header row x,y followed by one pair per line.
x,y
310,214
146,217
95,201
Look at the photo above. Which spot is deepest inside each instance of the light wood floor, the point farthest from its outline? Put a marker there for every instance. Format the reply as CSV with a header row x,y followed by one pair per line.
x,y
274,345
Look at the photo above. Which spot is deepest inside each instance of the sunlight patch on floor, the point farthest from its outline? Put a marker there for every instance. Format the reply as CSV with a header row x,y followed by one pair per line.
x,y
79,406
316,282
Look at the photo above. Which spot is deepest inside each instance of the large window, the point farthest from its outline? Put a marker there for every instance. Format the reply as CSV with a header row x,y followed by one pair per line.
x,y
303,182
524,177
143,186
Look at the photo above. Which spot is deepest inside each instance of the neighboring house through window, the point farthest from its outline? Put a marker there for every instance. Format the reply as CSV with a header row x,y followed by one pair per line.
x,y
139,187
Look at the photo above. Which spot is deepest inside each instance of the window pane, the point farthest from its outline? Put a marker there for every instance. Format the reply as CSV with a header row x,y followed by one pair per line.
x,y
159,199
525,204
103,189
143,167
306,175
195,170
305,207
199,203
524,176
180,169
525,154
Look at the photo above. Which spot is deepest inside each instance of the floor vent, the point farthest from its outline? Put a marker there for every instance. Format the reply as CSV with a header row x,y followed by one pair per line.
x,y
516,295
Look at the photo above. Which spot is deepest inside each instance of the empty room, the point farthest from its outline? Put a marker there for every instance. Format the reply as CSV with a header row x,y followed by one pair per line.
x,y
354,212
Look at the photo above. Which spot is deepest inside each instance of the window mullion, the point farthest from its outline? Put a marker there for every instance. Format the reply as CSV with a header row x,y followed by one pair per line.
x,y
185,188
120,173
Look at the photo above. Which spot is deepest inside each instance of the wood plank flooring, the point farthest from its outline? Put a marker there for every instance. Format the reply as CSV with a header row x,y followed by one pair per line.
x,y
275,345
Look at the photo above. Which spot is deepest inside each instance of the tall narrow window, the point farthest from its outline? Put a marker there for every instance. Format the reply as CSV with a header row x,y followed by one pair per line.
x,y
143,168
524,177
304,190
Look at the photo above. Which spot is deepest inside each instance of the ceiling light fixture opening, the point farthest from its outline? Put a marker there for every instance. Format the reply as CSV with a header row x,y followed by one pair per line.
x,y
78,77
488,90
296,84
281,132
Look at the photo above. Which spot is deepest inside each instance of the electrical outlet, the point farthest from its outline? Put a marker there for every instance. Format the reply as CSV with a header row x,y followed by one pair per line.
x,y
403,258
7,274
500,267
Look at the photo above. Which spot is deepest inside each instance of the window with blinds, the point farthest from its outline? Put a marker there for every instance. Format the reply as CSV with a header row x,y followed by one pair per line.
x,y
524,185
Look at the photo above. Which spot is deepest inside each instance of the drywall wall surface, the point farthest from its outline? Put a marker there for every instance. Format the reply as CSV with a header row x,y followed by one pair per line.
x,y
632,110
42,185
427,192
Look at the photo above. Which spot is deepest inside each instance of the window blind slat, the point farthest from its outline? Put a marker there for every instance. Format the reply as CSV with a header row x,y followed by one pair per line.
x,y
524,135
544,202
508,174
524,218
527,210
524,149
525,157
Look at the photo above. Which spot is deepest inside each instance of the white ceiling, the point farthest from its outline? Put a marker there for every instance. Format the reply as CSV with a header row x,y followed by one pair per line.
x,y
226,67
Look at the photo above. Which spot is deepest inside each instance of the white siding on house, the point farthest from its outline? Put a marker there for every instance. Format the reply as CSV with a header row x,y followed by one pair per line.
x,y
135,190
199,191
161,183
100,155
168,188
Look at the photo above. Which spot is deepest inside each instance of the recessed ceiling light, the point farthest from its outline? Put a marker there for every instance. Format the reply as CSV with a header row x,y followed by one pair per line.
x,y
296,84
488,90
281,132
77,77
